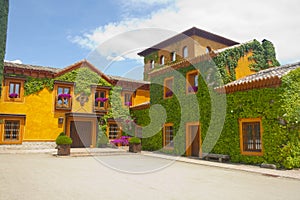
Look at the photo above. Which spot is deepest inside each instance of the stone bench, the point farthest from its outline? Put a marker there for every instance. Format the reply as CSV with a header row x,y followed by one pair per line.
x,y
219,157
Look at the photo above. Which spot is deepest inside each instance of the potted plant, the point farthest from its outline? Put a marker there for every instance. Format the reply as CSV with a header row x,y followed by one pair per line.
x,y
63,143
102,140
135,145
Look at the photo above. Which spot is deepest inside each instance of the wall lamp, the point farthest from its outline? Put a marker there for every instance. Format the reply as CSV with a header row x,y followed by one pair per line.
x,y
60,120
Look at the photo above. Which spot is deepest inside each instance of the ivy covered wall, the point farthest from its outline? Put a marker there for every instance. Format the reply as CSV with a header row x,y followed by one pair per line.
x,y
280,141
4,4
263,57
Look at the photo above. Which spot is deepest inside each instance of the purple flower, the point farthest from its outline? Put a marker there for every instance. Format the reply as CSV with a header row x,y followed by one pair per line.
x,y
64,96
122,140
101,99
169,93
128,104
13,95
193,89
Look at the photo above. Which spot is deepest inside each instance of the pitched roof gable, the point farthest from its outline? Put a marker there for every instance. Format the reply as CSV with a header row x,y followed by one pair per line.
x,y
83,63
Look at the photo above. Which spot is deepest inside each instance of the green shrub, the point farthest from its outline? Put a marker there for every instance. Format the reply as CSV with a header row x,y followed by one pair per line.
x,y
102,139
63,139
134,140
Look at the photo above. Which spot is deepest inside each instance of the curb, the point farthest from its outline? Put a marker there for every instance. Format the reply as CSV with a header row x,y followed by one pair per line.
x,y
230,166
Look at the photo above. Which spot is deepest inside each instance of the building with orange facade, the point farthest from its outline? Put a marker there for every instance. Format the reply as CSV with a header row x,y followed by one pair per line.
x,y
38,103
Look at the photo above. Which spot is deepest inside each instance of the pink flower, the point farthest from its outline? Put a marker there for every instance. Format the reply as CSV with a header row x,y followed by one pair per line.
x,y
13,95
64,96
101,99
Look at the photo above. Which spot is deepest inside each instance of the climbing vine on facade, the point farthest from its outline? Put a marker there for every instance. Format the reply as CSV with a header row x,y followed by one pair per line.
x,y
83,77
263,57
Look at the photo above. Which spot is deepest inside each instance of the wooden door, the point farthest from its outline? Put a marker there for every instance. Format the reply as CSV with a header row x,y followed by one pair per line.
x,y
81,134
195,146
193,140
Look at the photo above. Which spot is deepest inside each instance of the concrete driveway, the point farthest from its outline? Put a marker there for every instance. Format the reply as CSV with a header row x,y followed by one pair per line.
x,y
43,176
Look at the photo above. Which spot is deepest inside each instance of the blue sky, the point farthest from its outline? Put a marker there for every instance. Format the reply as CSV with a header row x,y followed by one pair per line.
x,y
59,33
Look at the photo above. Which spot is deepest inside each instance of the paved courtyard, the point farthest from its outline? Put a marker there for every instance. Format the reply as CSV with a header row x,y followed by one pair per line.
x,y
43,176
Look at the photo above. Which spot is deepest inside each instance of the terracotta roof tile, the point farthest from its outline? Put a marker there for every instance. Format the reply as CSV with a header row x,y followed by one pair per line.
x,y
31,67
264,78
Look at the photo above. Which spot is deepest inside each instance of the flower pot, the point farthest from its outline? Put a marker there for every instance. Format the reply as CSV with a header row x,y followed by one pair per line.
x,y
135,148
63,149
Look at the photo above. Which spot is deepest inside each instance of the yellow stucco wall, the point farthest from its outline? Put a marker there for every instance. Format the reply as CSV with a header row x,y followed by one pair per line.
x,y
86,108
200,45
243,68
141,96
41,122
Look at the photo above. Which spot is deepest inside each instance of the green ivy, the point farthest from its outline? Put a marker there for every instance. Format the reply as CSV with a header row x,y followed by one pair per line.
x,y
34,85
4,4
117,111
263,57
151,56
84,78
280,142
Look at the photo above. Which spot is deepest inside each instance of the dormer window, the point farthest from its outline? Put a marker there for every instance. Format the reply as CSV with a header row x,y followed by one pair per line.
x,y
162,60
173,56
185,52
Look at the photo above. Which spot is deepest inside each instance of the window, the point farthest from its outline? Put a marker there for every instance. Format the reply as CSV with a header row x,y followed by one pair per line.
x,y
127,99
162,60
113,131
100,100
173,56
63,97
11,130
168,135
14,90
185,52
251,136
208,49
192,81
138,131
168,87
152,63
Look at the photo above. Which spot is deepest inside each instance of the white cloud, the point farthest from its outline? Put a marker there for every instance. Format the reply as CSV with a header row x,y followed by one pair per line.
x,y
14,61
277,21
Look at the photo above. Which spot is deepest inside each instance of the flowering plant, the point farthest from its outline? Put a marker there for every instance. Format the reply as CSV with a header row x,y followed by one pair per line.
x,y
13,95
64,96
101,99
169,93
193,89
128,104
122,140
